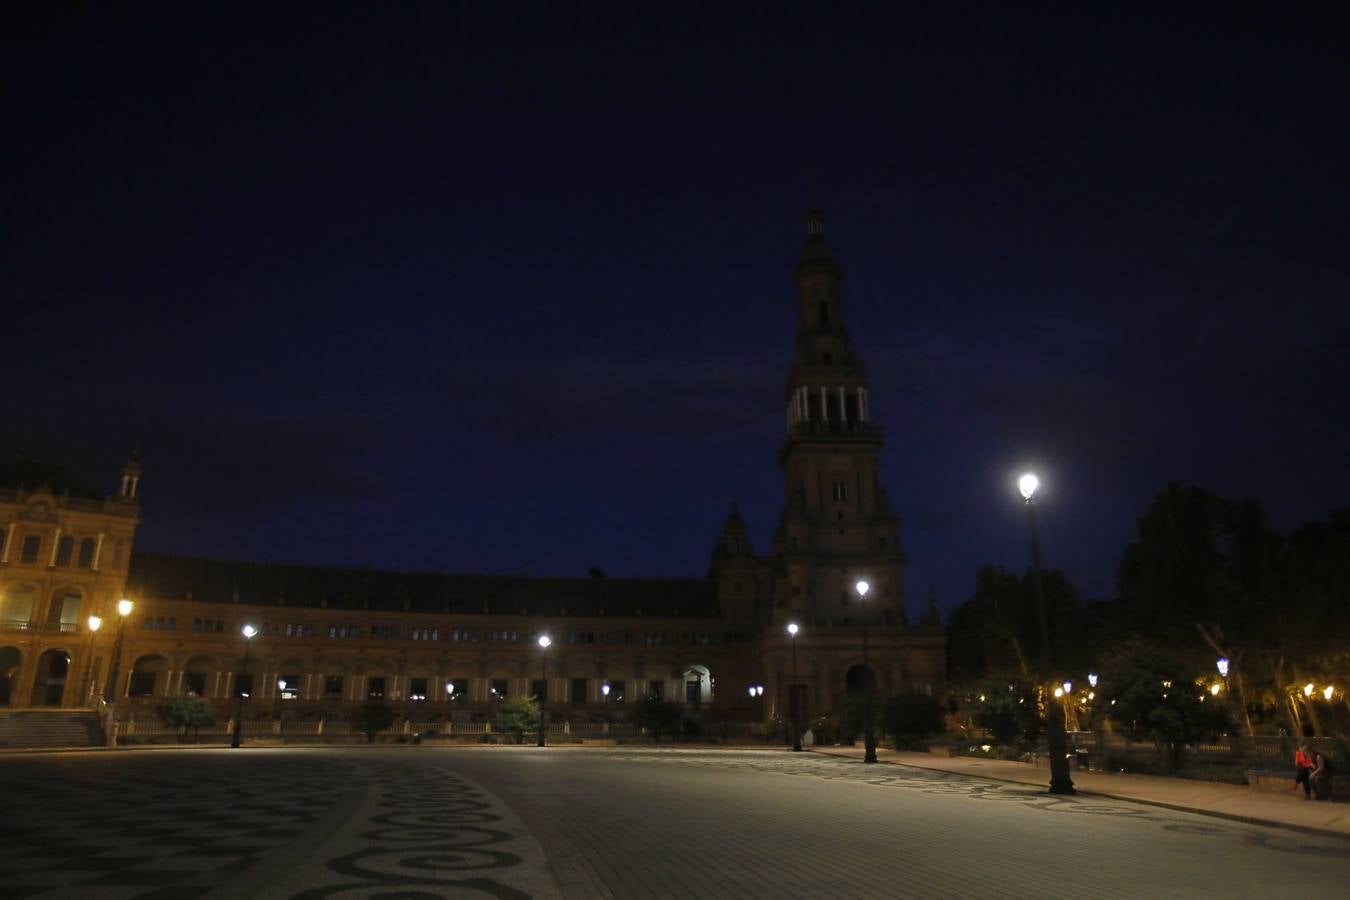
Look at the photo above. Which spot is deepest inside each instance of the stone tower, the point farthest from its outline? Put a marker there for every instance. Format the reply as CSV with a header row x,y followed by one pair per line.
x,y
837,524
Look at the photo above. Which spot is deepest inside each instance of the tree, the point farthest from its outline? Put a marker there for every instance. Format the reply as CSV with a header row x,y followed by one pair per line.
x,y
656,715
910,717
1315,643
1007,710
1157,698
517,716
1203,579
853,719
372,717
186,712
997,631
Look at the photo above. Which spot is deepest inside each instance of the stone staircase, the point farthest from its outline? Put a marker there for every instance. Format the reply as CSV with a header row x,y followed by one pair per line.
x,y
34,728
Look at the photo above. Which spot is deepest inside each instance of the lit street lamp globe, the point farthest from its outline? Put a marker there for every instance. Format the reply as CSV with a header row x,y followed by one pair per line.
x,y
1028,485
793,629
124,607
95,623
863,587
545,640
249,631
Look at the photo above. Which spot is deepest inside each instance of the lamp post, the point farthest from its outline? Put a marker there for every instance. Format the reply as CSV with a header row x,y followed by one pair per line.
x,y
544,641
792,630
248,631
87,684
869,733
1060,782
124,608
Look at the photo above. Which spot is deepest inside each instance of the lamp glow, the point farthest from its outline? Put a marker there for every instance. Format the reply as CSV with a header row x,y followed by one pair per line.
x,y
793,629
124,607
1215,689
1092,679
248,631
1068,687
1059,692
605,688
863,587
545,640
1222,665
1027,485
1328,691
95,623
1308,689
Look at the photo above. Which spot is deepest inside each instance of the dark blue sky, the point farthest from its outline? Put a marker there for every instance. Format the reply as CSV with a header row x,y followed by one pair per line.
x,y
507,290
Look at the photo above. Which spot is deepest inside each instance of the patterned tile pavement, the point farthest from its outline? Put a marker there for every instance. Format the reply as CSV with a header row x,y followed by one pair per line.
x,y
522,822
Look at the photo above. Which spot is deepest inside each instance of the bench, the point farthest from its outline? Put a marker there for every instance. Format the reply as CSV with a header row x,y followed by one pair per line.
x,y
1273,781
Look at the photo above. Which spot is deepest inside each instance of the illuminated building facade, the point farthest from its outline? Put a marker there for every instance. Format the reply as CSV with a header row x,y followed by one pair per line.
x,y
445,646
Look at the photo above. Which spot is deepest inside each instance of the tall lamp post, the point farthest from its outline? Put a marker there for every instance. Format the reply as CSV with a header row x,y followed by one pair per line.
x,y
124,608
248,631
544,641
87,685
869,733
1060,782
792,630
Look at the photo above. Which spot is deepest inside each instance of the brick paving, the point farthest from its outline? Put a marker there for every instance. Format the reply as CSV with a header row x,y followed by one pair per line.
x,y
621,822
1231,801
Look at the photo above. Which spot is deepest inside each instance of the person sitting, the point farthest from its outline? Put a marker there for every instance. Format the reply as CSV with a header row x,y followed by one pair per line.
x,y
1321,776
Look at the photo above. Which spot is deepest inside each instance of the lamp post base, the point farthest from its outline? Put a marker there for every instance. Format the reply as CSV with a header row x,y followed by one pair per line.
x,y
1060,782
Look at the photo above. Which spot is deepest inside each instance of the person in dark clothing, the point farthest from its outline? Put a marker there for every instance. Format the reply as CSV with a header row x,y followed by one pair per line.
x,y
1321,776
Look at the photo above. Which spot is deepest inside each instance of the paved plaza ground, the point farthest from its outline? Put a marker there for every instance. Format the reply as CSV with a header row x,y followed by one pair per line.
x,y
526,822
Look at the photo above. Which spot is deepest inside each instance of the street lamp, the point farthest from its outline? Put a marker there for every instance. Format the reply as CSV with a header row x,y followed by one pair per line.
x,y
792,630
1060,782
87,686
248,631
124,608
1092,680
869,734
1222,665
544,641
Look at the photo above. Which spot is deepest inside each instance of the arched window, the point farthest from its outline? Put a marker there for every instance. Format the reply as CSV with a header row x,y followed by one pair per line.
x,y
64,612
87,553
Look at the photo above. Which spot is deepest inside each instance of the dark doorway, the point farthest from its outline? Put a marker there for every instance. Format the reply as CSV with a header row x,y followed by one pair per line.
x,y
860,679
49,685
10,661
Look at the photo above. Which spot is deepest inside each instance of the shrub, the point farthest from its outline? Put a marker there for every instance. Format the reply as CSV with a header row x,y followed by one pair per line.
x,y
184,713
911,717
371,717
656,715
517,716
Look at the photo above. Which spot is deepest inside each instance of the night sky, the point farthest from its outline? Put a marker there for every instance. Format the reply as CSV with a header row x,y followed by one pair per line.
x,y
497,288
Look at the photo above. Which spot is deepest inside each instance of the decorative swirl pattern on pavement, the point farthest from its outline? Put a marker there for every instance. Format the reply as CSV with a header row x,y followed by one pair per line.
x,y
433,835
257,823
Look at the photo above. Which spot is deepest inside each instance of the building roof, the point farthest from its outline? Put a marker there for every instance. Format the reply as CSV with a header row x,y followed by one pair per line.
x,y
158,576
33,474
